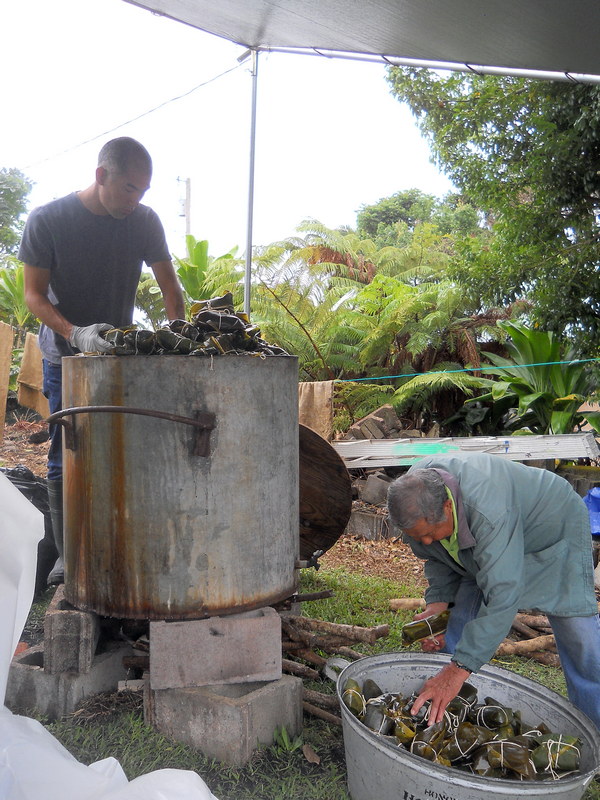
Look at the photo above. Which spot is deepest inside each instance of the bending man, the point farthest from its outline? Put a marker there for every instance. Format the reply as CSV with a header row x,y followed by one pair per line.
x,y
498,536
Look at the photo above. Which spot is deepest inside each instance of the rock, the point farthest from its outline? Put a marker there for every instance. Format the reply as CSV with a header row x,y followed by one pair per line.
x,y
374,490
370,426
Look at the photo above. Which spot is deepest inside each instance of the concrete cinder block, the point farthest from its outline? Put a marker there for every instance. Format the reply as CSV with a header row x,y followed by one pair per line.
x,y
370,427
227,722
374,490
368,525
239,648
70,637
30,686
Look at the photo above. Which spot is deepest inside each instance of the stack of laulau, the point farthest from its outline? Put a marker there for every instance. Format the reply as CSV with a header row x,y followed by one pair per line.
x,y
486,739
214,329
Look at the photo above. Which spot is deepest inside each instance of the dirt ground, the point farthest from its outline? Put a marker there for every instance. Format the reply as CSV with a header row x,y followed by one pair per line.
x,y
16,449
389,559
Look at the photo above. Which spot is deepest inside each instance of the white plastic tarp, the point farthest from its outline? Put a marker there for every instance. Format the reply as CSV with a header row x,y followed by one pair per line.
x,y
33,764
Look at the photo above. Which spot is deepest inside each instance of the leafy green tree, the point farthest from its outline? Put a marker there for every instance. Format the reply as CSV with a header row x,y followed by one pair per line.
x,y
410,206
349,310
14,189
541,382
13,309
392,220
528,152
149,303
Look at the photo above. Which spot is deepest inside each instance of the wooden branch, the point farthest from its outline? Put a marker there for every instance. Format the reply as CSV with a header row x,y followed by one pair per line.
x,y
136,662
312,640
543,657
312,658
539,621
286,604
293,632
292,647
354,632
353,655
294,668
524,629
319,712
407,603
301,598
328,701
508,648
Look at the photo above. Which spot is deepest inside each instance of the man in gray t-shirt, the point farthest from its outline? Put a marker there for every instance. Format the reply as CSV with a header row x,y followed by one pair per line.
x,y
83,255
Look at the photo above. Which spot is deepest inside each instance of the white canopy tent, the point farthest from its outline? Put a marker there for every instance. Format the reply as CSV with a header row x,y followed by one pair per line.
x,y
546,39
548,36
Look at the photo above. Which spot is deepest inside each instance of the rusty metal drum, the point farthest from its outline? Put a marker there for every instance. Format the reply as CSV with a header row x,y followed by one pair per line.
x,y
180,484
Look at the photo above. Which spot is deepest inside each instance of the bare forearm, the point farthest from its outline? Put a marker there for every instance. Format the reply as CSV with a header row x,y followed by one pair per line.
x,y
47,313
174,304
171,290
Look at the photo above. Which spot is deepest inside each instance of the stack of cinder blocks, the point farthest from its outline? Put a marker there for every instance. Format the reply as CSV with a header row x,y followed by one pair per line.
x,y
57,675
217,685
383,423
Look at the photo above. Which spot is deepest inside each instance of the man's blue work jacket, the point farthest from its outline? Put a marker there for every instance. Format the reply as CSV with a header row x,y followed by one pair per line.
x,y
523,535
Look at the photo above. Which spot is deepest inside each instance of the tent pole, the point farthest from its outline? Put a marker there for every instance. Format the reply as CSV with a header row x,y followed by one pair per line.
x,y
248,271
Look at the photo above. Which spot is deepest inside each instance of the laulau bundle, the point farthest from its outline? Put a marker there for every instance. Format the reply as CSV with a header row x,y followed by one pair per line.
x,y
214,329
485,739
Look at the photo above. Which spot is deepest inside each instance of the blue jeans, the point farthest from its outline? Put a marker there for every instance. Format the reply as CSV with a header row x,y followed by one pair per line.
x,y
577,642
52,389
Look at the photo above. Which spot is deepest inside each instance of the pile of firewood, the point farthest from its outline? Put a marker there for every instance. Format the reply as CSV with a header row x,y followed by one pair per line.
x,y
302,637
530,635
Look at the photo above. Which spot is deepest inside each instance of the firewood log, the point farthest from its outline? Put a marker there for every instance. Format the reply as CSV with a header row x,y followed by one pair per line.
x,y
524,629
319,712
508,648
353,632
327,701
539,621
312,658
407,603
136,662
543,657
353,655
294,668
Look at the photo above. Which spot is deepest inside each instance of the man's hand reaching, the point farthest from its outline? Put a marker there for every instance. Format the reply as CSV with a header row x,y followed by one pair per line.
x,y
88,339
441,689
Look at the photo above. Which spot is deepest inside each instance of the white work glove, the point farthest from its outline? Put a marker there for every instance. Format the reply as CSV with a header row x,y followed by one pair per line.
x,y
88,339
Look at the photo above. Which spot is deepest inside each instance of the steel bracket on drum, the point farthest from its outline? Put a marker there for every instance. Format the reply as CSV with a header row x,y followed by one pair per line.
x,y
203,423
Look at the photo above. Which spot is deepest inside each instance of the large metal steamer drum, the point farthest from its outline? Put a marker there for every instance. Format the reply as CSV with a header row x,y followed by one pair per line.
x,y
189,514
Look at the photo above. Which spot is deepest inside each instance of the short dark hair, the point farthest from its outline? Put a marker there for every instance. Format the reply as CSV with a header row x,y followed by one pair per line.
x,y
120,154
419,494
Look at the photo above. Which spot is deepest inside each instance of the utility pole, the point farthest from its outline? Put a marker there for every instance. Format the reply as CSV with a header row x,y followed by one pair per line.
x,y
186,204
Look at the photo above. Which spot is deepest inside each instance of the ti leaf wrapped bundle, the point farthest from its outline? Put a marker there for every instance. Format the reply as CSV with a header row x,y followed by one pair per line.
x,y
511,755
353,698
214,329
500,747
376,717
425,628
557,751
465,740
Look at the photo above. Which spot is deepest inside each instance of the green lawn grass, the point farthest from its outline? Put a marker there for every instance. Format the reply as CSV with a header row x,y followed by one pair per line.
x,y
282,770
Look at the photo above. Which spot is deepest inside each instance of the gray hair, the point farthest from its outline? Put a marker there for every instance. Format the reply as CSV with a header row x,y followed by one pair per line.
x,y
419,494
120,154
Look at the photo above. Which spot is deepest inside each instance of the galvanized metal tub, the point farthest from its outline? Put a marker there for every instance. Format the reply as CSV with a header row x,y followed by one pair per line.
x,y
377,769
167,520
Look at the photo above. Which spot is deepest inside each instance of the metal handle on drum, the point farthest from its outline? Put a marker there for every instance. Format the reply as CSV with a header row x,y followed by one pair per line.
x,y
203,422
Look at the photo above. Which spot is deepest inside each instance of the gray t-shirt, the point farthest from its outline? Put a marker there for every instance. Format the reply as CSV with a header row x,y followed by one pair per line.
x,y
94,261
